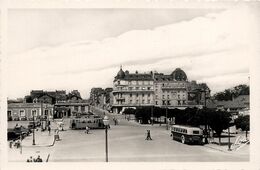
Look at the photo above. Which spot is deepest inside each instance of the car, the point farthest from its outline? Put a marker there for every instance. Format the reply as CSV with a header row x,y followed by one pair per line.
x,y
21,130
17,132
31,125
11,135
16,119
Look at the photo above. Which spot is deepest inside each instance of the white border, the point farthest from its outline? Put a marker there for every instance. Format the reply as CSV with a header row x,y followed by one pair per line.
x,y
254,162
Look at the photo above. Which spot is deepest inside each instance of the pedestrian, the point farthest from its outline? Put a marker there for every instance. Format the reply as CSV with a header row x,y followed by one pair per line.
x,y
39,159
87,130
30,159
49,129
148,137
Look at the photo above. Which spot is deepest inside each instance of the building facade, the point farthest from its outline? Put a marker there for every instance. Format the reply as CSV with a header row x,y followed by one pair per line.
x,y
70,108
157,89
132,90
26,111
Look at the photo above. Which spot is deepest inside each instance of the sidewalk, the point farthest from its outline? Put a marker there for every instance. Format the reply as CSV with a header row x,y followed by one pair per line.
x,y
224,145
43,146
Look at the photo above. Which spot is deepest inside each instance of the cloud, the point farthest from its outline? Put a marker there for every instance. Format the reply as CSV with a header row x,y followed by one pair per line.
x,y
210,47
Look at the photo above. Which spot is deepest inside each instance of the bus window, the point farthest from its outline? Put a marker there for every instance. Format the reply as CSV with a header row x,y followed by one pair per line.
x,y
195,132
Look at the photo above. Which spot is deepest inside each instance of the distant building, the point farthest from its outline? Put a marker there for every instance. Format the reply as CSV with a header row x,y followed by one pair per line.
x,y
236,105
51,97
71,108
25,111
157,89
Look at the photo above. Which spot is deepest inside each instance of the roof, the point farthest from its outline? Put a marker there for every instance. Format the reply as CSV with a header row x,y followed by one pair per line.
x,y
241,101
28,105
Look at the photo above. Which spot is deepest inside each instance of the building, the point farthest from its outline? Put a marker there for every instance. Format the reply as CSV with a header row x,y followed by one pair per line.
x,y
51,97
236,105
71,108
25,111
157,89
132,90
171,90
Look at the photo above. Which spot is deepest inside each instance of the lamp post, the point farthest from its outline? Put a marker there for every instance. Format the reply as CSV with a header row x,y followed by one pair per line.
x,y
33,130
206,119
166,114
106,123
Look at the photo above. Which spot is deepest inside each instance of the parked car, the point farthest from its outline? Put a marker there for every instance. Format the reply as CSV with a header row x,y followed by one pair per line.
x,y
17,132
16,119
31,125
23,118
11,135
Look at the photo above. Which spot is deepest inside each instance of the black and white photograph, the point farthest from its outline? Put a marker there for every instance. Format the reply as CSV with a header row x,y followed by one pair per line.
x,y
130,84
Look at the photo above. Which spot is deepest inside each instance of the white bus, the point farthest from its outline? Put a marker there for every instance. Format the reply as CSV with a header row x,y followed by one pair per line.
x,y
187,134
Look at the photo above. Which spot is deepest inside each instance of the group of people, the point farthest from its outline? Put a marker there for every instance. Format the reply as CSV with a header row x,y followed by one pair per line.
x,y
38,159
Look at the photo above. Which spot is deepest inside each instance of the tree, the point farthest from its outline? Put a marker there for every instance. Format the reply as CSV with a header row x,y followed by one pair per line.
x,y
218,121
243,123
228,94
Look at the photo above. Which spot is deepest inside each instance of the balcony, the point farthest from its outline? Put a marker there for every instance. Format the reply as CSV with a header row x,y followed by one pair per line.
x,y
119,98
132,90
173,87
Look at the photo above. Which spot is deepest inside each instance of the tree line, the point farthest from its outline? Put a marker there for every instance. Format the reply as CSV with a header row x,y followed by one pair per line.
x,y
217,120
229,94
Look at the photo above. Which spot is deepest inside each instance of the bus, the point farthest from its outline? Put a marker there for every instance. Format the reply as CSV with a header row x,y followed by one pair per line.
x,y
187,134
91,121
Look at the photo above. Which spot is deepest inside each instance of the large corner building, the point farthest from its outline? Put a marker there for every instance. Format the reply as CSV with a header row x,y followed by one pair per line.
x,y
157,90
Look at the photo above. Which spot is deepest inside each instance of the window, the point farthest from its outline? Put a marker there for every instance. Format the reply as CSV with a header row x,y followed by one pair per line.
x,y
130,88
137,101
130,94
168,102
137,88
22,113
142,101
46,112
168,96
148,94
163,96
179,102
148,88
196,132
137,95
76,108
156,102
163,102
130,101
34,112
118,82
156,96
142,95
82,108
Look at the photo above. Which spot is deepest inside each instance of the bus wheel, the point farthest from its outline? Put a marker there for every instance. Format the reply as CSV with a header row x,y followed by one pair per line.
x,y
182,139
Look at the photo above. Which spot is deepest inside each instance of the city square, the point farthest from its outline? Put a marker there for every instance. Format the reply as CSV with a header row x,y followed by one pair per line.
x,y
126,143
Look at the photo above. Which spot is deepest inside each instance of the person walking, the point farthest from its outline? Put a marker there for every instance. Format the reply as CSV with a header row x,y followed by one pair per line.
x,y
87,130
148,137
49,129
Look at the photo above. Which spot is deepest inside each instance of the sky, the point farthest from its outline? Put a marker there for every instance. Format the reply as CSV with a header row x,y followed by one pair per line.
x,y
80,49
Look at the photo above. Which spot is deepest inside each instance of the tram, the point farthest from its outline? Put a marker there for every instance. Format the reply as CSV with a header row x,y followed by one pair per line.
x,y
83,121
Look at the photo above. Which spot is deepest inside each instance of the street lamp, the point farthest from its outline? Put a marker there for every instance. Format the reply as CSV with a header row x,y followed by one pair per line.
x,y
33,130
166,114
106,123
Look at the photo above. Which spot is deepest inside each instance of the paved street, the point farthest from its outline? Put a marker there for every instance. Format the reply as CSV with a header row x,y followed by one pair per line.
x,y
126,143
